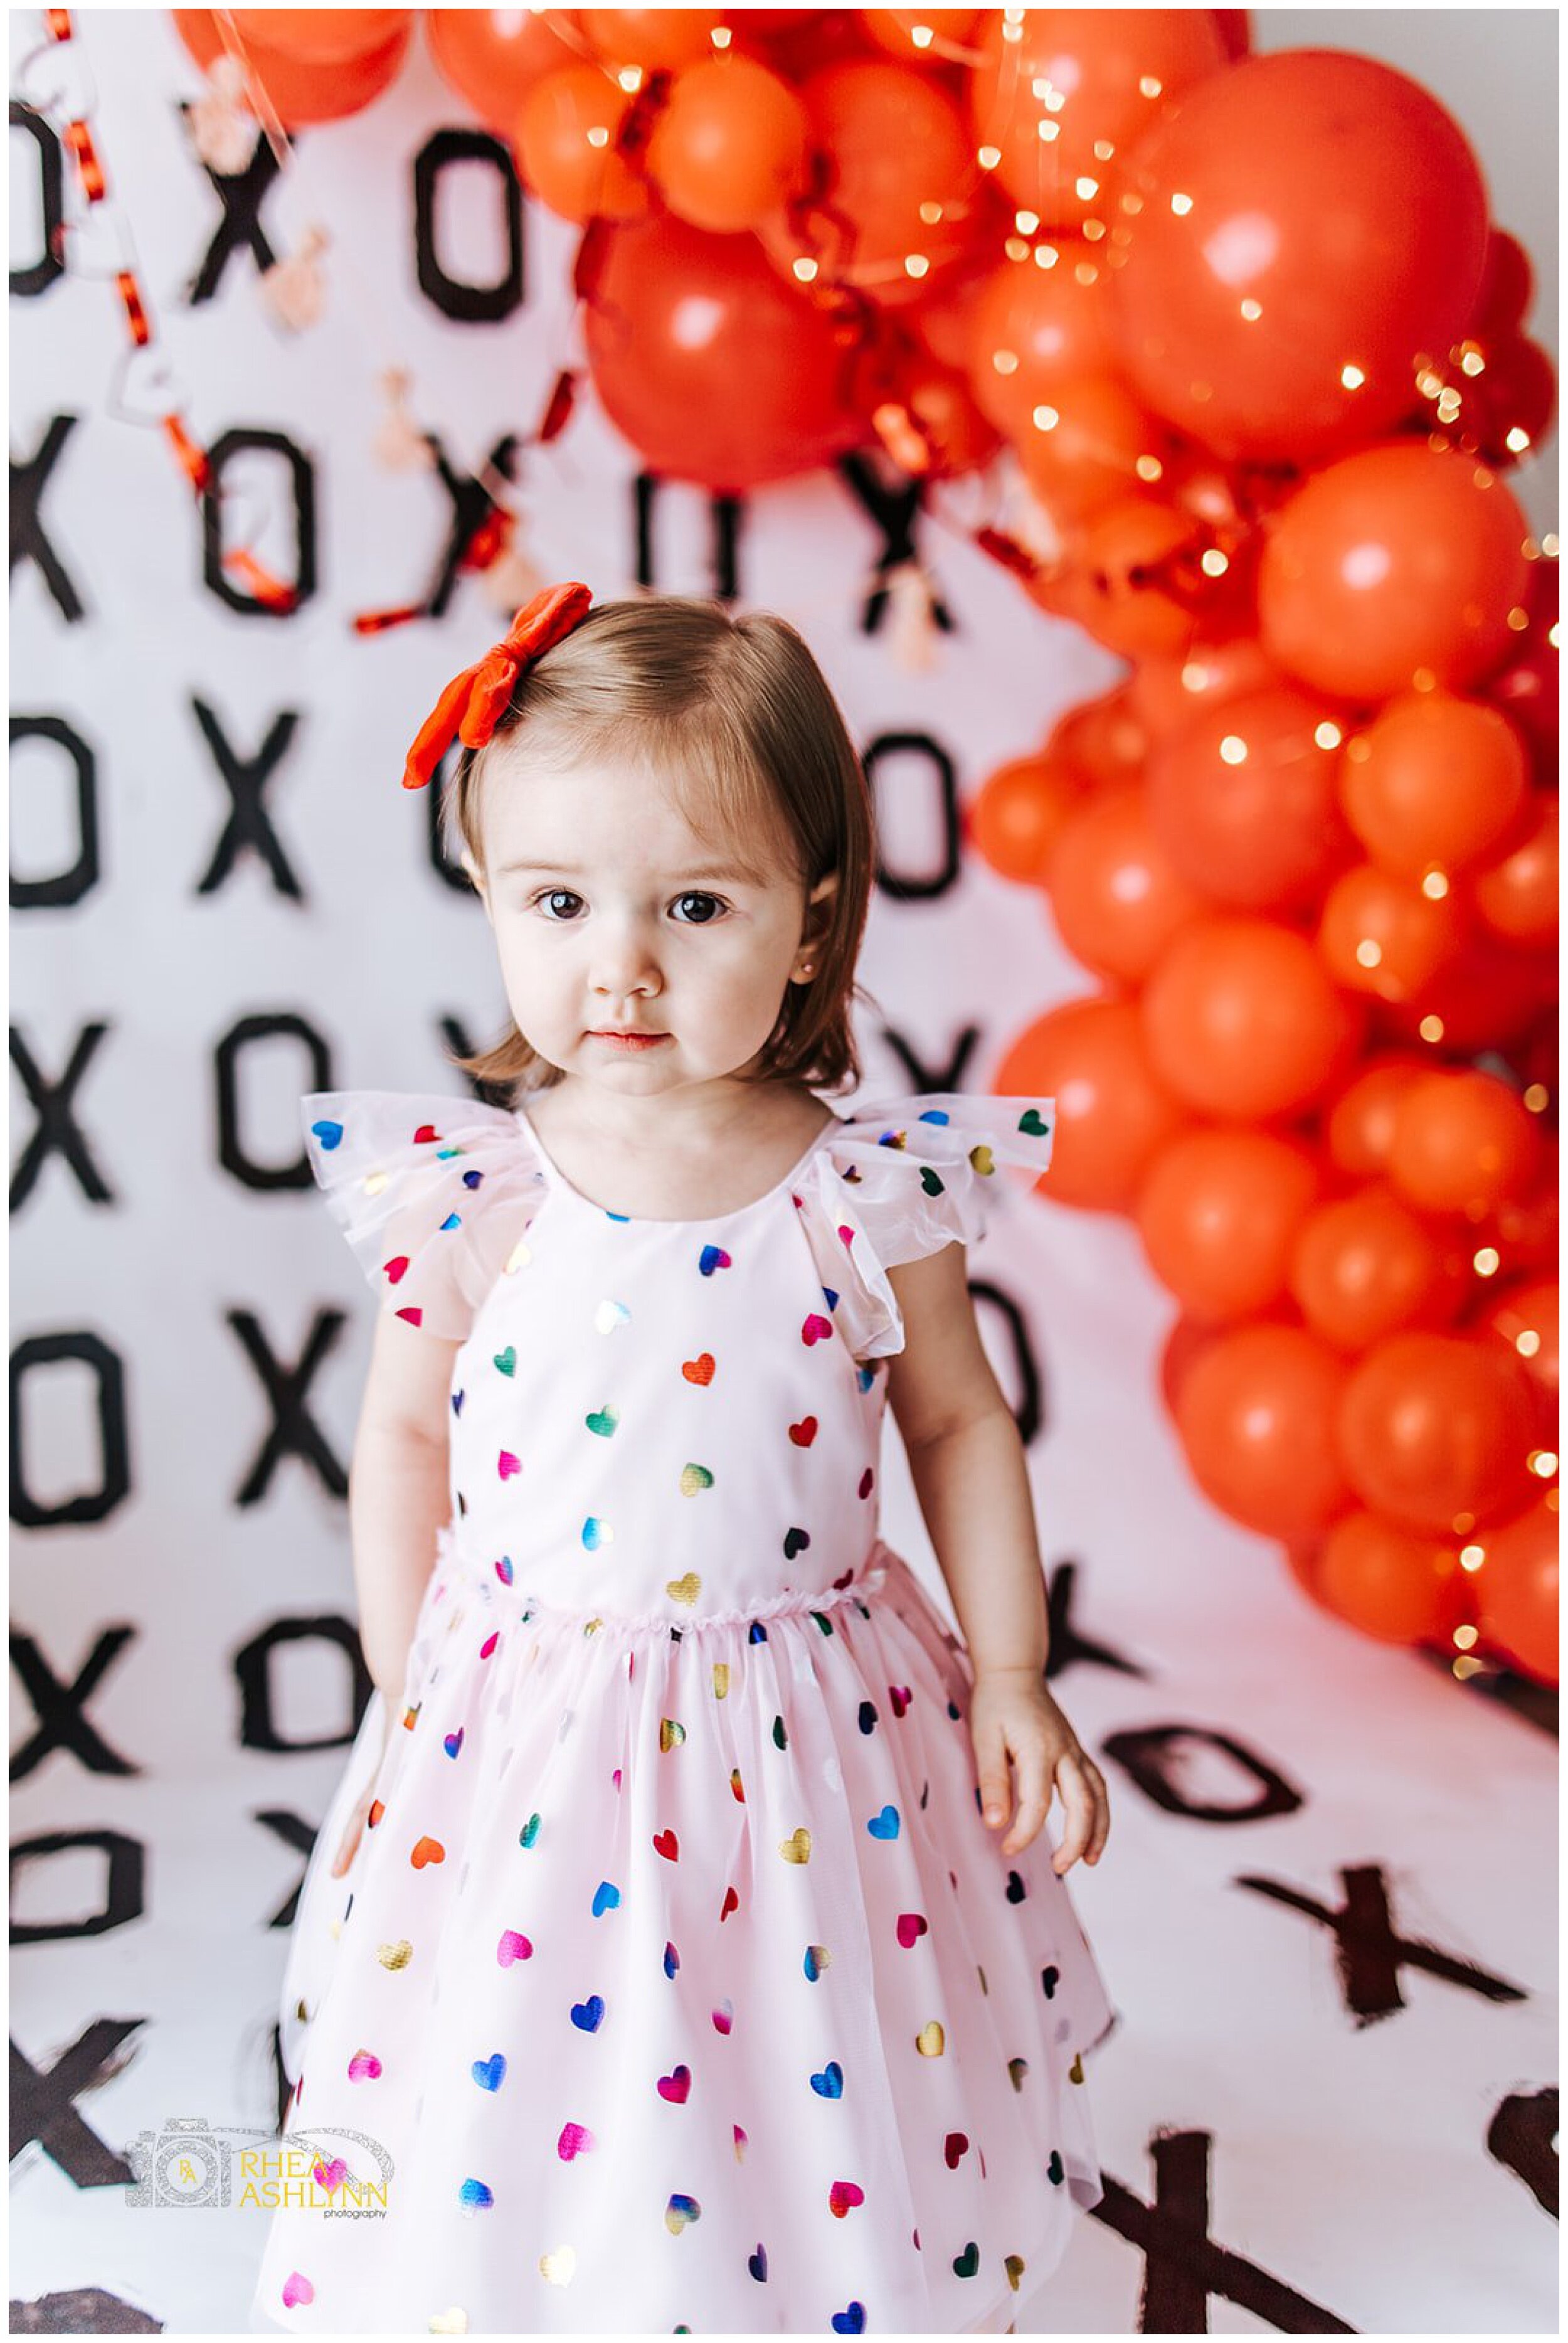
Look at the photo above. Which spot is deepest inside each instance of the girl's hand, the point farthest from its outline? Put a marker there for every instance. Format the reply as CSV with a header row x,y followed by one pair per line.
x,y
1011,1715
348,1844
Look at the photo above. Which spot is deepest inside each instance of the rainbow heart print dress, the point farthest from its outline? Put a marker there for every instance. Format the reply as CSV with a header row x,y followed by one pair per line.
x,y
676,1985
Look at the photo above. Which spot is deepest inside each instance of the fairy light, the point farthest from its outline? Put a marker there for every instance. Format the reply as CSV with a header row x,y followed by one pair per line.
x,y
1327,735
1132,201
1516,440
1233,750
1026,222
1352,378
1527,1342
1104,148
1431,1029
599,135
1543,1462
1537,1098
1251,311
1471,358
1214,564
1017,248
630,79
1086,189
1181,205
1422,678
1149,85
1086,272
1004,362
1552,634
1358,750
1428,383
1434,885
1048,129
804,270
988,158
915,263
1449,403
1046,419
1518,620
922,36
1150,468
1471,1557
1468,1665
1549,545
930,212
1093,230
1464,1636
1368,952
1046,255
721,36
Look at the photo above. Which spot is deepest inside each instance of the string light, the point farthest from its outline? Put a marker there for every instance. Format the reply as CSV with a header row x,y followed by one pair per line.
x,y
1327,735
1472,1557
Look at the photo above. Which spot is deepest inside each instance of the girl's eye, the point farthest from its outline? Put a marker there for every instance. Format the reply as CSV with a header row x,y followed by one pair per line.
x,y
552,900
707,906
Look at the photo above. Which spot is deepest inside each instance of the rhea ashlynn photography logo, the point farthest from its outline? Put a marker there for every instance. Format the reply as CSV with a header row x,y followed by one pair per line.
x,y
191,2164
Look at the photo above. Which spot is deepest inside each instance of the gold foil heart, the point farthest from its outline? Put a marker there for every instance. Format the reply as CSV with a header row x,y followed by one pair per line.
x,y
560,2266
982,1159
720,1678
684,1590
395,1957
450,2322
797,1848
694,1479
931,2041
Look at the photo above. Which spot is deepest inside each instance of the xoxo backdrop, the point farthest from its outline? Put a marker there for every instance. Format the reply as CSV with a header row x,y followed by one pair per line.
x,y
1326,1909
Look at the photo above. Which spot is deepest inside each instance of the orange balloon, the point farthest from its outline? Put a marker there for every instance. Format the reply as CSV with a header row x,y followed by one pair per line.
x,y
1096,78
1263,306
1433,782
1395,566
1116,898
1171,693
760,369
730,143
1242,1022
1111,578
649,38
565,143
1015,821
898,153
1389,1581
1080,448
1112,1114
322,36
1525,1235
1245,799
1518,1590
1255,1413
1358,1124
894,29
1187,1340
1035,329
1103,740
1383,936
1217,1215
1524,1317
1363,1266
301,93
1516,896
1437,1430
1462,1142
1480,998
493,57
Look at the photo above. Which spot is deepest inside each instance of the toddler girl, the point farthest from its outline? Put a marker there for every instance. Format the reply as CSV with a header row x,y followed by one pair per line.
x,y
680,1952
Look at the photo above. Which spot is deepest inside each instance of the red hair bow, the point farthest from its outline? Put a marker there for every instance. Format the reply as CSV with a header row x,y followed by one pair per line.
x,y
471,702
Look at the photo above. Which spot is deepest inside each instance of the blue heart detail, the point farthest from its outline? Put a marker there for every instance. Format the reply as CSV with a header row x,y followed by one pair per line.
x,y
504,1570
476,2193
330,1133
452,1742
710,1258
811,1965
453,1220
851,2321
756,2263
868,1716
593,1534
530,1832
758,1634
490,2073
829,1297
672,1960
935,1114
830,2083
458,1399
618,1216
605,1898
588,2015
865,1377
885,1824
472,1179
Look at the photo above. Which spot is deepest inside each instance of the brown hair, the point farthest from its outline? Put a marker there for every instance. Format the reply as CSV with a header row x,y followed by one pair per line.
x,y
739,706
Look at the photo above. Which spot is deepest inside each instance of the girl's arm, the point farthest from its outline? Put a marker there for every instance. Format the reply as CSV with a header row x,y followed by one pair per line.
x,y
399,1494
967,1466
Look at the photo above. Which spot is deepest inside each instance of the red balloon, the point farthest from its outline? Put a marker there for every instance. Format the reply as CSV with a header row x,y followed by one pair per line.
x,y
322,36
1021,813
715,371
1517,1584
1507,286
1437,1430
1115,896
1433,782
1103,740
729,144
566,138
1171,693
1035,328
1384,937
1111,1113
1255,1412
1517,897
1217,1215
493,57
1083,448
1508,410
1391,1582
1268,306
1480,997
1395,567
1120,579
1527,689
649,38
1524,1317
1358,1123
301,94
1464,1142
1242,1022
1245,799
1365,1265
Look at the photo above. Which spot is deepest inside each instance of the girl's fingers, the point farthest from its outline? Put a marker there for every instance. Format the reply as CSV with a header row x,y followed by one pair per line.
x,y
991,1757
1079,1806
1033,1796
1101,1810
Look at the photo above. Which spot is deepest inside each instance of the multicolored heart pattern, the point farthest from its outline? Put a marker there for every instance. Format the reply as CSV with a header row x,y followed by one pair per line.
x,y
700,1370
713,1257
815,1328
676,2086
679,2213
364,2067
912,1926
843,2196
575,2139
513,1946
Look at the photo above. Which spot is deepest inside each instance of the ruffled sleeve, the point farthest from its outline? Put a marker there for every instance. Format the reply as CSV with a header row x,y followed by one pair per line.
x,y
433,1193
902,1178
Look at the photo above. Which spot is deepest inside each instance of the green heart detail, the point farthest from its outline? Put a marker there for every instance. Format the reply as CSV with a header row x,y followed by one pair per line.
x,y
1053,2170
603,1421
966,2264
930,1182
780,1735
1033,1122
506,1361
530,1832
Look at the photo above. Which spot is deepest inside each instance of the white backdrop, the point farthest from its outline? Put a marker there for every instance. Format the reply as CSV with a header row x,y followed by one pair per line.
x,y
1357,2118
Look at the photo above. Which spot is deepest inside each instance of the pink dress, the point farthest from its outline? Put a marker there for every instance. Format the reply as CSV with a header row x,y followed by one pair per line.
x,y
677,1985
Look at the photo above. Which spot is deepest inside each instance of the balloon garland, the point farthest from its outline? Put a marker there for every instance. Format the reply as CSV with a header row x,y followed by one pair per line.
x,y
1309,845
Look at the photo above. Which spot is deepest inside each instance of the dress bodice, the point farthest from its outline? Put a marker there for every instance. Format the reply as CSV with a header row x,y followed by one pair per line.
x,y
665,1420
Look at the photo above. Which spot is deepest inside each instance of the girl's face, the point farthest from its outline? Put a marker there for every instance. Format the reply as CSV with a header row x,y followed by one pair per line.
x,y
612,914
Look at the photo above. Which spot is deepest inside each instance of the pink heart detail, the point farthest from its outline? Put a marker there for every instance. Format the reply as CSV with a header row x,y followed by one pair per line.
x,y
395,1268
677,2087
507,1465
724,2017
815,1328
425,1134
575,2139
364,2066
900,1697
842,2196
912,1926
848,1235
955,2148
615,1777
328,2175
489,1646
514,1946
867,1477
665,1843
297,2289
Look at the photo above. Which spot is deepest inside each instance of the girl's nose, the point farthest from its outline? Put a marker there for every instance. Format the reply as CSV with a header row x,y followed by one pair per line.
x,y
624,960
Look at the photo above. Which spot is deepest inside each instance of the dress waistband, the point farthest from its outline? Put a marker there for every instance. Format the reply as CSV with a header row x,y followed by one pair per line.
x,y
791,1603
